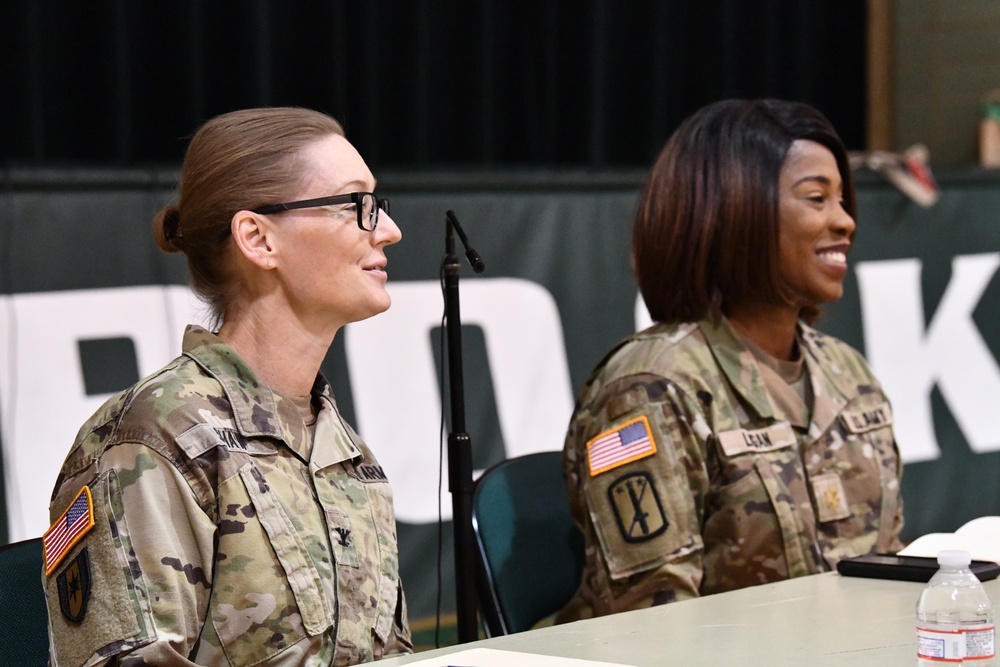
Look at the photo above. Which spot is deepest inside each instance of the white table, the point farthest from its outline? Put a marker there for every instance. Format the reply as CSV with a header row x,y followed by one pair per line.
x,y
825,619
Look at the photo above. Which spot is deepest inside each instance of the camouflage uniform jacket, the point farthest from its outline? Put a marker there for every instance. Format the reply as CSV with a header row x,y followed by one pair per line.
x,y
687,479
223,532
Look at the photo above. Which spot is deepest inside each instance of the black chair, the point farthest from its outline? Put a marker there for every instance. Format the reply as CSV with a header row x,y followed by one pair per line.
x,y
530,553
24,635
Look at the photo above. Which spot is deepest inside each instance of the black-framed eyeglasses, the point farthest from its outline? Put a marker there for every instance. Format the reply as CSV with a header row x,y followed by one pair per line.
x,y
366,203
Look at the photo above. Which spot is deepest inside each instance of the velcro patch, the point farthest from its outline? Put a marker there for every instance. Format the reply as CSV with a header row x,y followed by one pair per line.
x,y
623,444
860,421
74,587
68,529
768,439
831,501
370,472
637,507
201,438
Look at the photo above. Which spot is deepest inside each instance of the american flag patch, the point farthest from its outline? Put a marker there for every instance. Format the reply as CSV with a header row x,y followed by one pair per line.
x,y
623,444
68,529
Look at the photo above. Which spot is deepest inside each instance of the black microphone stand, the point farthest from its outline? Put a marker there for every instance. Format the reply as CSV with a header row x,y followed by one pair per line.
x,y
459,443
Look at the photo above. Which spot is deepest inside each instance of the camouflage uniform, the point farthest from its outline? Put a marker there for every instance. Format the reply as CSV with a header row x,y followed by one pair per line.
x,y
707,485
224,533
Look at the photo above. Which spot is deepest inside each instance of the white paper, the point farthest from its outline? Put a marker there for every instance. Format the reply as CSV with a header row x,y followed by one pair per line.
x,y
487,657
980,537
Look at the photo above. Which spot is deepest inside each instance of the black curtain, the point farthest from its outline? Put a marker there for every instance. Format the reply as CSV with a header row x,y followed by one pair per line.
x,y
418,84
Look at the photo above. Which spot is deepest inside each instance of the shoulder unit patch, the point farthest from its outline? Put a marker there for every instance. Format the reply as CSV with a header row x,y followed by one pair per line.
x,y
74,587
637,507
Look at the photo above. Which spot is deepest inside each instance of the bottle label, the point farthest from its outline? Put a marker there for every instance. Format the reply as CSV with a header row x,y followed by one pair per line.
x,y
955,645
938,645
980,643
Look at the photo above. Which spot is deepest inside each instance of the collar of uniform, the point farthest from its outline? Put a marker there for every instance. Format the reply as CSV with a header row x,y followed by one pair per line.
x,y
738,364
832,388
296,432
334,441
252,401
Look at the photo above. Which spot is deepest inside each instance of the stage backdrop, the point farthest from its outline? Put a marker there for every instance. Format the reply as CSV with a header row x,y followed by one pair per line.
x,y
88,305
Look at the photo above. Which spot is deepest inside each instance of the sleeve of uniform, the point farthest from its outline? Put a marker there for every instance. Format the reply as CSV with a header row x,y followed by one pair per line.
x,y
400,640
635,464
135,588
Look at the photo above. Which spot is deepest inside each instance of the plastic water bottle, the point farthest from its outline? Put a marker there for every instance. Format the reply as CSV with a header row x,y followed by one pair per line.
x,y
955,616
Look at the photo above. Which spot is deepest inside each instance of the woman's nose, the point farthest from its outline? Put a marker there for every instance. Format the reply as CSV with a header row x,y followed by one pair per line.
x,y
844,223
386,232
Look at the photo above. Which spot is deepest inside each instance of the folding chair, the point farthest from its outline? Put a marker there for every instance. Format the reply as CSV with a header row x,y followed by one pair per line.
x,y
530,553
24,634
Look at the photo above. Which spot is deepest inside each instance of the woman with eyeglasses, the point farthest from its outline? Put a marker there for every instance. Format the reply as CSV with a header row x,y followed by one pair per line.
x,y
731,443
221,511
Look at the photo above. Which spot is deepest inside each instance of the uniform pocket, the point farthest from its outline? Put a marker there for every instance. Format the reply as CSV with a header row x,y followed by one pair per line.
x,y
796,535
290,550
859,448
753,529
268,593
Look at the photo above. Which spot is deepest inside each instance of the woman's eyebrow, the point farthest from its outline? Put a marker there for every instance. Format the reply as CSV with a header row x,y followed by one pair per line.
x,y
817,179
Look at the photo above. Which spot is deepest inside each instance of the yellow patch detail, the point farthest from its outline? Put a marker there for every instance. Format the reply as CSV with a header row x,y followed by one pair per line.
x,y
625,443
62,535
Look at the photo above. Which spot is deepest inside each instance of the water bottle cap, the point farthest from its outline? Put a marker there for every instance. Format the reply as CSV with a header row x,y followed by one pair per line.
x,y
954,557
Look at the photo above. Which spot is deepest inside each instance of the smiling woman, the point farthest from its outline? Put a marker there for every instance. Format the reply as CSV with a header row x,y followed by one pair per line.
x,y
221,510
816,231
309,269
718,448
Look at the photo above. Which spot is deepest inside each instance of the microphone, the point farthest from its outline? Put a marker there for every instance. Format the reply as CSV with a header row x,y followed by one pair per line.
x,y
477,262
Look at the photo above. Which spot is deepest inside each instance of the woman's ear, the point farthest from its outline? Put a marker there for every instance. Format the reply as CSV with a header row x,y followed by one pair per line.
x,y
254,237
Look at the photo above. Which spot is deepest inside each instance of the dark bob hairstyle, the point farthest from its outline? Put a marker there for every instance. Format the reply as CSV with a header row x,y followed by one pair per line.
x,y
707,226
